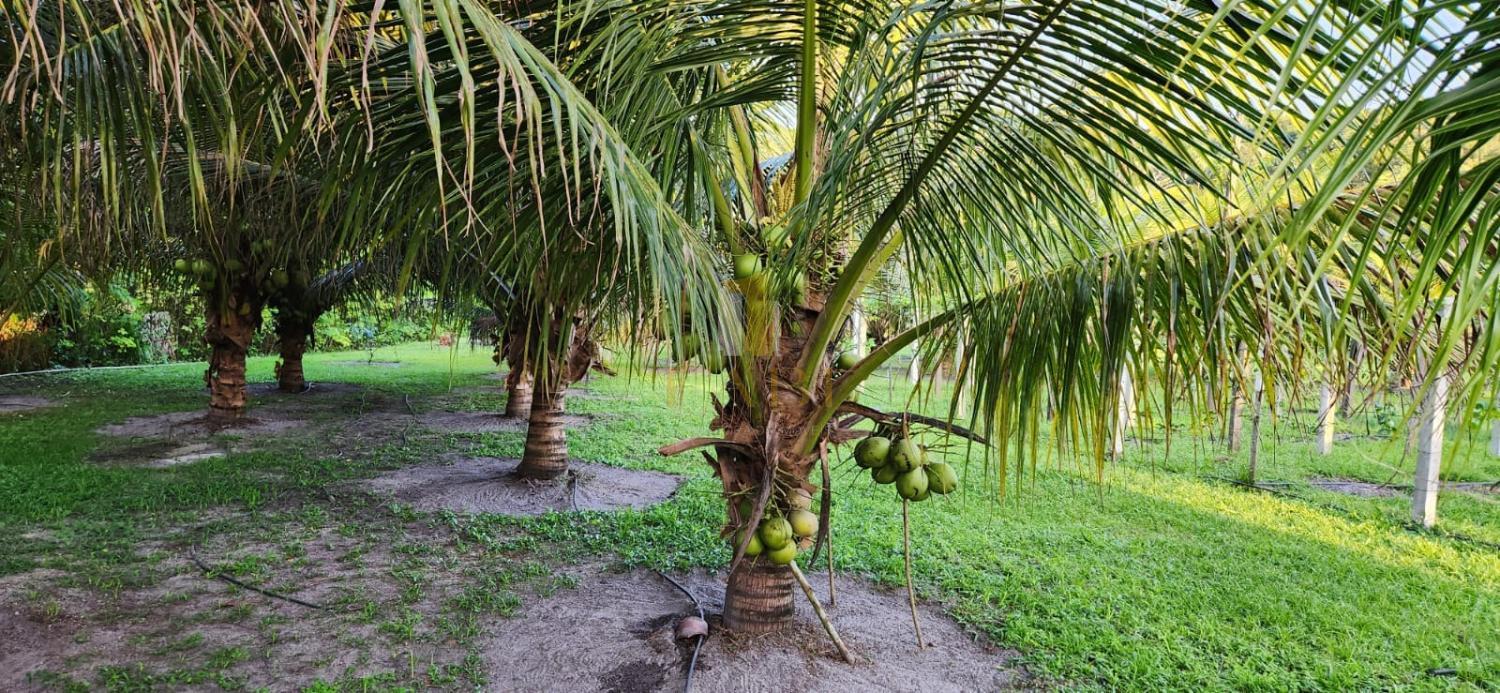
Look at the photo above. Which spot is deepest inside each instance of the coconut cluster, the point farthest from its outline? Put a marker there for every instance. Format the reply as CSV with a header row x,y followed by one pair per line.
x,y
271,281
905,463
780,533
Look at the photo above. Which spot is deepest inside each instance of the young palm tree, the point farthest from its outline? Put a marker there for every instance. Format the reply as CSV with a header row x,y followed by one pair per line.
x,y
1054,175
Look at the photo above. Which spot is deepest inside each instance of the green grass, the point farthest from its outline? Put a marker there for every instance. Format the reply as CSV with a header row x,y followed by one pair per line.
x,y
1163,576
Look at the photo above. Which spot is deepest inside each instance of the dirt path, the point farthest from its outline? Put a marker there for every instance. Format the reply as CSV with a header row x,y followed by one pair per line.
x,y
489,485
11,404
615,633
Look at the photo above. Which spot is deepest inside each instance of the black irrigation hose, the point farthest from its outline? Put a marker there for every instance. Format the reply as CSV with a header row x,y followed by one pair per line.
x,y
687,685
193,553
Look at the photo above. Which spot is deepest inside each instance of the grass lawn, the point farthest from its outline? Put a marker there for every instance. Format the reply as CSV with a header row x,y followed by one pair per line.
x,y
1163,576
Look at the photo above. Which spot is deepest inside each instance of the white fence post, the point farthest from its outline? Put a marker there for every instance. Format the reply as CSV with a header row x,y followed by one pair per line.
x,y
1124,411
1432,416
1326,410
861,333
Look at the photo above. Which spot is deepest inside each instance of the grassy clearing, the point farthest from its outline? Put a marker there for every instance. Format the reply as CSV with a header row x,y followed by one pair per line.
x,y
1163,576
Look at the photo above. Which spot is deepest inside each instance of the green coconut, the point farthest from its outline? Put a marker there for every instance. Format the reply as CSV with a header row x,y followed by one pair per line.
x,y
799,499
775,235
775,532
847,361
281,278
783,555
906,455
885,475
754,548
201,267
799,287
912,485
232,265
924,495
941,478
872,452
804,523
182,265
746,265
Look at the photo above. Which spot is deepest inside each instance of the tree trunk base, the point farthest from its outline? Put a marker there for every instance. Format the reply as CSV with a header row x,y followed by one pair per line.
x,y
289,376
546,455
759,597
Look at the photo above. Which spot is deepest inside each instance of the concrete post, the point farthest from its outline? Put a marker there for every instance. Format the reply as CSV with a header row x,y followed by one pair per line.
x,y
1260,393
1124,411
959,397
1327,409
1431,418
1237,401
861,330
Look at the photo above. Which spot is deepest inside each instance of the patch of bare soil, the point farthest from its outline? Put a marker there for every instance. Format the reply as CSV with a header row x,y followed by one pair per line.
x,y
197,423
312,388
160,454
11,404
178,628
1481,487
26,639
1371,490
615,633
487,421
490,485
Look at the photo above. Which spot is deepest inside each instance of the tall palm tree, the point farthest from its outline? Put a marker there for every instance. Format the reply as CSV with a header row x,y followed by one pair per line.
x,y
1055,176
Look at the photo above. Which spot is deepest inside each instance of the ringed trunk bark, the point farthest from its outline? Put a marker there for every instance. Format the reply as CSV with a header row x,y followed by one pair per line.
x,y
759,594
229,334
289,374
546,455
517,394
759,597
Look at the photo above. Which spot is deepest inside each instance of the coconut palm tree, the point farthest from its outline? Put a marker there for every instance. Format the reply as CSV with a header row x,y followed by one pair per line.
x,y
1054,176
298,306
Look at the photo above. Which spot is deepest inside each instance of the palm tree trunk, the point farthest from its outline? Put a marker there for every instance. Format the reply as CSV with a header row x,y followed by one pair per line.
x,y
518,392
546,455
759,597
293,343
231,326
